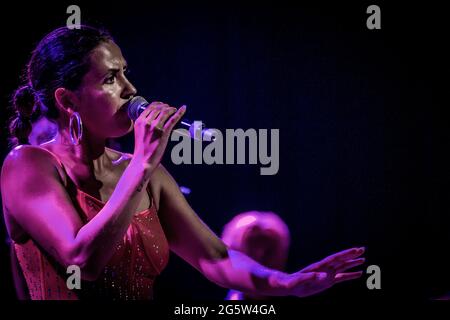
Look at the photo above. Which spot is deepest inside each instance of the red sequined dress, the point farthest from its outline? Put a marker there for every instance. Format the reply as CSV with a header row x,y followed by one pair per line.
x,y
130,274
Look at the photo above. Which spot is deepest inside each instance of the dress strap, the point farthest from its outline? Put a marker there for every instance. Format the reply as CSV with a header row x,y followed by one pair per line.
x,y
63,174
61,169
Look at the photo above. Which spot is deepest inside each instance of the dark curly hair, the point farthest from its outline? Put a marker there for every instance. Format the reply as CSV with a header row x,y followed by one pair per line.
x,y
61,59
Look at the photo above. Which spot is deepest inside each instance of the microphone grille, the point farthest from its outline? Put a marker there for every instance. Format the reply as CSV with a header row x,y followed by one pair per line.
x,y
135,106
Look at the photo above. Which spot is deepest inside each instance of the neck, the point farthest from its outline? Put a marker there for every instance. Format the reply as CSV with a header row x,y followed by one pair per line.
x,y
90,148
88,156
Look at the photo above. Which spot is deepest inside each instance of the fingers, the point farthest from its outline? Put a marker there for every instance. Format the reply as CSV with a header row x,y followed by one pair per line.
x,y
175,118
331,270
345,255
350,264
153,114
157,114
340,277
165,113
335,261
348,254
150,109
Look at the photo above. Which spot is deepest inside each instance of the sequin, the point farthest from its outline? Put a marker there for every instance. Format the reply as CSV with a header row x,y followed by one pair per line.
x,y
130,274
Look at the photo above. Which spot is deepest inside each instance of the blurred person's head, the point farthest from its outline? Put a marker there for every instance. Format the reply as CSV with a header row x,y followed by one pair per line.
x,y
43,130
263,236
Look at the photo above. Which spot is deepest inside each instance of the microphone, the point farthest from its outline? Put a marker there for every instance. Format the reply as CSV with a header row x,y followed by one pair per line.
x,y
138,104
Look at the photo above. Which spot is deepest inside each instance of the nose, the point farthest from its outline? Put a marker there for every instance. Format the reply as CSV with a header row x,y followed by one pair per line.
x,y
129,90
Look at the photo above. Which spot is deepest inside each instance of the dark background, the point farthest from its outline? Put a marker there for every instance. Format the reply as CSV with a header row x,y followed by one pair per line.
x,y
363,130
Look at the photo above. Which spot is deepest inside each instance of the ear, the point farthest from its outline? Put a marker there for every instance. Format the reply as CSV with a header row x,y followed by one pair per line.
x,y
65,100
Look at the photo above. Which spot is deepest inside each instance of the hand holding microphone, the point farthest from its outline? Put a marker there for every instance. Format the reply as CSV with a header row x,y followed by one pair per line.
x,y
138,104
153,124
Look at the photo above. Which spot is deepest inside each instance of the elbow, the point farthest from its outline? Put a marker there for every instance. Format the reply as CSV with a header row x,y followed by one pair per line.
x,y
89,270
77,260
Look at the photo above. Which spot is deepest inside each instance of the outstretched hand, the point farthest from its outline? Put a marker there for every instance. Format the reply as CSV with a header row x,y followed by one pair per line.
x,y
322,275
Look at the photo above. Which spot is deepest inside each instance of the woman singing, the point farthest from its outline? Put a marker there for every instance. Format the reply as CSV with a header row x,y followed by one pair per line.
x,y
73,201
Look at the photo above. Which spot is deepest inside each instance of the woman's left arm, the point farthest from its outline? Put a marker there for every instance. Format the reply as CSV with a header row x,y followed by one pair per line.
x,y
193,241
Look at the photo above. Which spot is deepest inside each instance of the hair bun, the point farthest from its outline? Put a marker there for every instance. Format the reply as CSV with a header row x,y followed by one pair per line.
x,y
25,101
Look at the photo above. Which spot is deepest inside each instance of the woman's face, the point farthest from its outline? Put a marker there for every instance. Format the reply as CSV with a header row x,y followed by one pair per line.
x,y
103,91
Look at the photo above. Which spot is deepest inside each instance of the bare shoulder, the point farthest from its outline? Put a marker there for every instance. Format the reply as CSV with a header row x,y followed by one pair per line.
x,y
165,183
27,164
24,168
25,158
162,175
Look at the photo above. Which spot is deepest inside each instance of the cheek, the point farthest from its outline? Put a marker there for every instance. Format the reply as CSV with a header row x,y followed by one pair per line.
x,y
99,108
104,104
101,115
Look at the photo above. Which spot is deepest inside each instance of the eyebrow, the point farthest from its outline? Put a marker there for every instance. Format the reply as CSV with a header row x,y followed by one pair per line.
x,y
115,70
